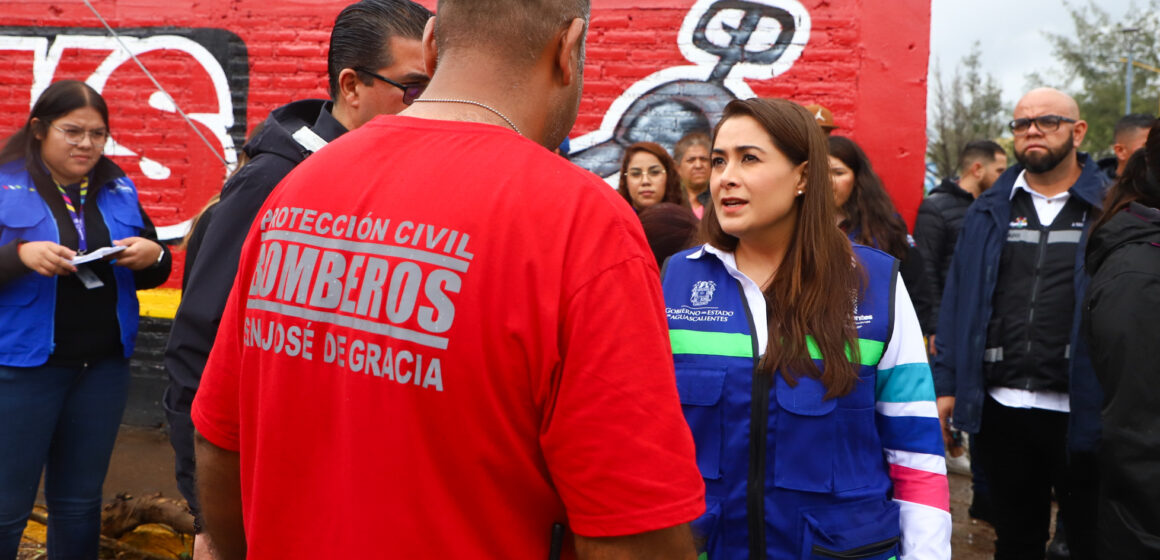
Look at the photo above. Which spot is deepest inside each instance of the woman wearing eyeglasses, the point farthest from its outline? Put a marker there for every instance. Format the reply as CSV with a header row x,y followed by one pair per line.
x,y
648,175
800,363
68,328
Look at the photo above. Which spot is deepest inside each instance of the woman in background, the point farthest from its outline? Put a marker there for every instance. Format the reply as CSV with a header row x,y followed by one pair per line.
x,y
1123,302
69,329
648,175
801,373
867,215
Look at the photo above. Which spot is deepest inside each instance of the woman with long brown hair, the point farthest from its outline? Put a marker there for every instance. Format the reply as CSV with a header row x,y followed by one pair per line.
x,y
802,373
648,175
868,216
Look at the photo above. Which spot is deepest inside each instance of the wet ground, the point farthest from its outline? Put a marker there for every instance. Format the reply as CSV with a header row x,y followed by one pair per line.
x,y
971,539
143,464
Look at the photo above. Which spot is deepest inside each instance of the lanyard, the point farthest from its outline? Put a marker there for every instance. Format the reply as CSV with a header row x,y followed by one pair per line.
x,y
76,212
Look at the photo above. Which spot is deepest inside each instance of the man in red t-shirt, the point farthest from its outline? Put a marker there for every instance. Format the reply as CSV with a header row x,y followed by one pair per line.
x,y
443,339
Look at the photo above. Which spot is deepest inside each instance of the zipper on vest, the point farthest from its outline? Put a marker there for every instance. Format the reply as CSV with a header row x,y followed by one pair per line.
x,y
1042,255
868,551
758,419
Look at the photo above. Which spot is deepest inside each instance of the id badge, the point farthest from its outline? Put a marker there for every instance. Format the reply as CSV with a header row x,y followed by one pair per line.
x,y
88,277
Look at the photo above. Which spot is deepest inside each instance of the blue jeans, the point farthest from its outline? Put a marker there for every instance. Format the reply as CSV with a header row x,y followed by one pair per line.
x,y
64,421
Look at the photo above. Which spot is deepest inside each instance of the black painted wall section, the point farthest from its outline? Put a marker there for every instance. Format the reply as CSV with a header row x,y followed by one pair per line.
x,y
148,375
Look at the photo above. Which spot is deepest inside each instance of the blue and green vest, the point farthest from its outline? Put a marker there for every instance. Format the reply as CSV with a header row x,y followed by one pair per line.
x,y
788,474
28,303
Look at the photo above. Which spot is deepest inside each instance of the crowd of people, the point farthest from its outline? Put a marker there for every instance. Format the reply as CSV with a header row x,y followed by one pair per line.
x,y
740,351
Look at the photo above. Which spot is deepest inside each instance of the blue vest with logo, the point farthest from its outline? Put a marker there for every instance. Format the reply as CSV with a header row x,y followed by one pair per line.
x,y
788,474
28,303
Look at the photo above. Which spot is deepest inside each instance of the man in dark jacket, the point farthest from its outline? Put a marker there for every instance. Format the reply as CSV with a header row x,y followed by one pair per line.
x,y
941,216
1010,362
375,66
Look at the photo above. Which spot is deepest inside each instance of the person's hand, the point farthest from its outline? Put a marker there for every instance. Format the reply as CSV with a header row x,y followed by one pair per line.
x,y
47,258
930,350
140,254
946,407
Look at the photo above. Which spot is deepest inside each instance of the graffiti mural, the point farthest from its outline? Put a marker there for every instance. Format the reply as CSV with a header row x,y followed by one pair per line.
x,y
205,70
727,42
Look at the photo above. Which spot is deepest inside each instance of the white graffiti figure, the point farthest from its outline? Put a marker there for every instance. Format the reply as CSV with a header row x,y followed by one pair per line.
x,y
728,42
47,56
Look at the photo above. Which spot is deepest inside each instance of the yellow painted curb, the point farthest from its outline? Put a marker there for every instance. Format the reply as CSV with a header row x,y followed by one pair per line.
x,y
159,302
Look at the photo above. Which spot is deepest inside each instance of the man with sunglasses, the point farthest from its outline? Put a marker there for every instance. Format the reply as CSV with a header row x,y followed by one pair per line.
x,y
375,66
1009,362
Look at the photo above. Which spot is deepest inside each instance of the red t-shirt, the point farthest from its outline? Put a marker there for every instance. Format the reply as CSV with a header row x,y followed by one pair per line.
x,y
443,338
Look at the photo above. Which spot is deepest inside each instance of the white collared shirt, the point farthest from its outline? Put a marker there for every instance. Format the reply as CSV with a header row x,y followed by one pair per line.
x,y
753,295
1022,398
1046,207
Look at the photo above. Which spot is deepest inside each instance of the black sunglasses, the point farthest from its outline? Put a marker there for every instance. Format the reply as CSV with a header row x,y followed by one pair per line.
x,y
410,91
1045,123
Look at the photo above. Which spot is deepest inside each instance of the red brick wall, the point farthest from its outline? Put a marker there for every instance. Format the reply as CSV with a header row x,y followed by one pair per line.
x,y
229,62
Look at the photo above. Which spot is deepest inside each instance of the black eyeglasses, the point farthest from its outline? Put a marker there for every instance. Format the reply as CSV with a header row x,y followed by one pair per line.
x,y
410,91
1045,123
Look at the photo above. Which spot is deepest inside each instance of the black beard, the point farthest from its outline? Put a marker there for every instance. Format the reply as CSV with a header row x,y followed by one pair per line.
x,y
1047,162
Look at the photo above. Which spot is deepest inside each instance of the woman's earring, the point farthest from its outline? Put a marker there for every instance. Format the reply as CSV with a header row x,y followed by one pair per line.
x,y
800,191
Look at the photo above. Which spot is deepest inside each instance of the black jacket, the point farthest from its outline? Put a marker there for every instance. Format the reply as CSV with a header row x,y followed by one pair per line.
x,y
1122,324
1108,166
273,153
936,231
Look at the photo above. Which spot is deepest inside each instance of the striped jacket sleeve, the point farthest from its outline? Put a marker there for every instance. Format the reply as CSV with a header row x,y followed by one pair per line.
x,y
907,420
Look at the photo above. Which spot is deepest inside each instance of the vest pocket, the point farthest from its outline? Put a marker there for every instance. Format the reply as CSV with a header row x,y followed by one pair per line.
x,y
820,445
700,390
21,214
866,529
805,436
858,457
126,218
21,291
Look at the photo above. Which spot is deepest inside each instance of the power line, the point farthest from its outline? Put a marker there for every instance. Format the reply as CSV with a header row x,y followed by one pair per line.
x,y
157,84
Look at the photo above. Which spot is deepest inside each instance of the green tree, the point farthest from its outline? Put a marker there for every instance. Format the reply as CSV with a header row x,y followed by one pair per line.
x,y
1093,65
965,108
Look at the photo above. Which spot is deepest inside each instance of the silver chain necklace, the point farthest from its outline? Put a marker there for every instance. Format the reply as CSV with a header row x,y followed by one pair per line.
x,y
477,104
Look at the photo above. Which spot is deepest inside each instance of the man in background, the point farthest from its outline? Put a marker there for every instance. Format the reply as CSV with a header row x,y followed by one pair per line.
x,y
1009,361
411,345
692,155
375,66
824,118
1130,134
936,231
940,216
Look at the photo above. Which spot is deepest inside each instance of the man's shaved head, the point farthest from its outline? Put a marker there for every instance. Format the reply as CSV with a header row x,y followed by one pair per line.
x,y
1043,101
1042,147
518,30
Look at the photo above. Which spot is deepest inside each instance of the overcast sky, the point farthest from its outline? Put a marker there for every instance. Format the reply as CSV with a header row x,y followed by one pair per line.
x,y
1009,33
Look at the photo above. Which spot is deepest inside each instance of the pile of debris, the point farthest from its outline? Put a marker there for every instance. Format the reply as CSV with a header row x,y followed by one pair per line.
x,y
132,528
